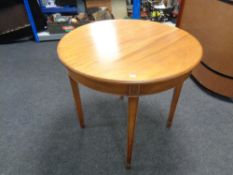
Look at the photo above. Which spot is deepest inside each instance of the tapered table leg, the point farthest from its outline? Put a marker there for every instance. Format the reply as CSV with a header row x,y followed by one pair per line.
x,y
175,99
77,100
132,114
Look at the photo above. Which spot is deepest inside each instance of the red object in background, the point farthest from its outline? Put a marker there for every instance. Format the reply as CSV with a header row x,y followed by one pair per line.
x,y
68,28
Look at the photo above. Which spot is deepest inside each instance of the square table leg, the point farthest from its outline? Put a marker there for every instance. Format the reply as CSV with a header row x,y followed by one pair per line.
x,y
77,100
132,114
175,98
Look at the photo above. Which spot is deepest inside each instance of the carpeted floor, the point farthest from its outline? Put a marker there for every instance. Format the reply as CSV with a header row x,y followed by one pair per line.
x,y
39,133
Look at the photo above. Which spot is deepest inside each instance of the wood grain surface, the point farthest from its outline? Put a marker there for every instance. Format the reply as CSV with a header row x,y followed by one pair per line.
x,y
129,51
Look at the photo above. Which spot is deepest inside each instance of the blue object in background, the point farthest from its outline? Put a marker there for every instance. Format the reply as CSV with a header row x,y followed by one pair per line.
x,y
31,20
136,9
65,9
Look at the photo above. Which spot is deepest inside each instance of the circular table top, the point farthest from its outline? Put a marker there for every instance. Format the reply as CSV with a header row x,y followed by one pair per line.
x,y
129,51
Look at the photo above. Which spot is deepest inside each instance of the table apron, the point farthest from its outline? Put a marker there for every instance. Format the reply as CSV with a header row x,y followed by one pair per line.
x,y
128,89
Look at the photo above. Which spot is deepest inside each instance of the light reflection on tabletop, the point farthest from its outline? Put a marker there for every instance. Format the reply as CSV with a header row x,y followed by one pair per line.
x,y
105,40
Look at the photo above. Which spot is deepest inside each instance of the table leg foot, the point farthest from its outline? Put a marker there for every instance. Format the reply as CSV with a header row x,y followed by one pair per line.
x,y
169,124
132,114
175,99
77,100
128,166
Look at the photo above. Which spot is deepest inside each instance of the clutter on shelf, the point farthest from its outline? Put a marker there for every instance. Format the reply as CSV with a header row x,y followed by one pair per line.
x,y
157,10
60,23
63,16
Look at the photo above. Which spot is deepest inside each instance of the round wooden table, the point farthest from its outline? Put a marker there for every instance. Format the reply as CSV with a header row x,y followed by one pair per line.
x,y
129,58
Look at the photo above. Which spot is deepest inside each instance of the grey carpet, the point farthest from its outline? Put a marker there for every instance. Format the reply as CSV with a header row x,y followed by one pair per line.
x,y
39,133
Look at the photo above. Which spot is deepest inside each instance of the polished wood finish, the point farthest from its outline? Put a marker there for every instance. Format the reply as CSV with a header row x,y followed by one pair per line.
x,y
132,114
120,51
130,58
197,18
175,99
77,100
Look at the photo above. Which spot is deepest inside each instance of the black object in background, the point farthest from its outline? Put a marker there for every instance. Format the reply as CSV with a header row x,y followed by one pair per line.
x,y
38,16
68,2
228,1
65,2
14,20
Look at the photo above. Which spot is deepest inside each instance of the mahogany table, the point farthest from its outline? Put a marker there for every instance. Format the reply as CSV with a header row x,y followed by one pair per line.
x,y
129,58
